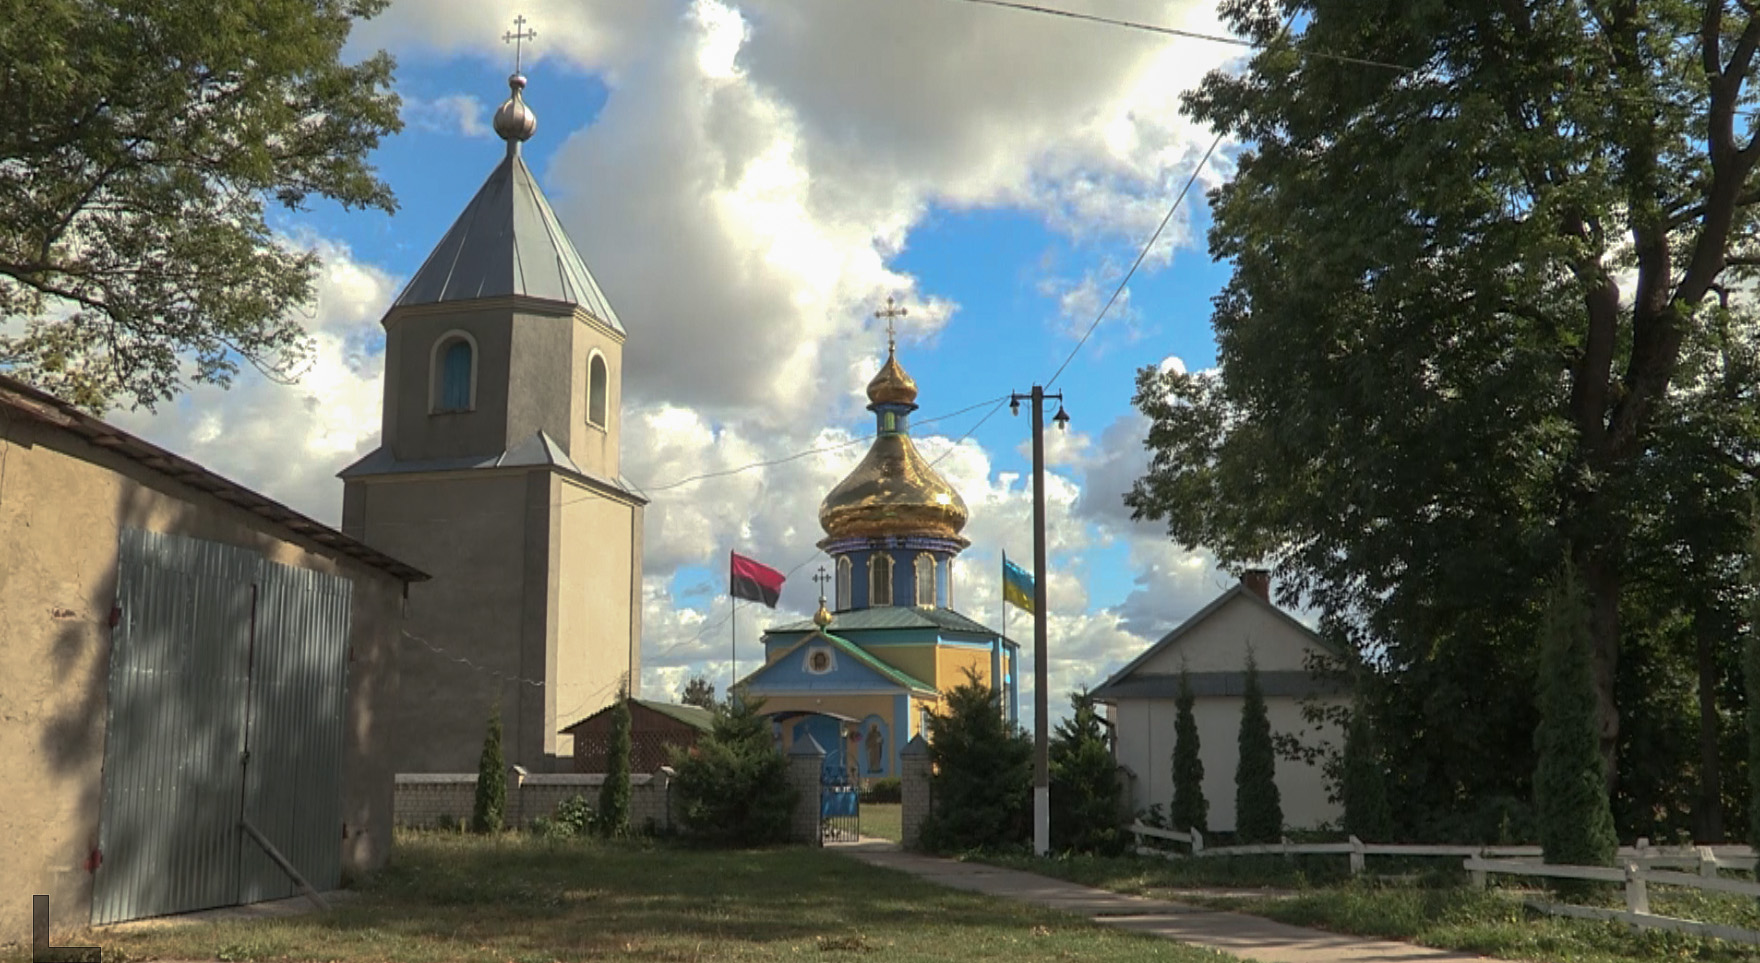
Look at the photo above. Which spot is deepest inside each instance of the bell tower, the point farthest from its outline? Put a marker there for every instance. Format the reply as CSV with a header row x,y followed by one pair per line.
x,y
498,471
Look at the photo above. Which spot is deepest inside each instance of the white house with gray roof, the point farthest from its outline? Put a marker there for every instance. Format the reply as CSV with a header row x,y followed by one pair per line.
x,y
1212,646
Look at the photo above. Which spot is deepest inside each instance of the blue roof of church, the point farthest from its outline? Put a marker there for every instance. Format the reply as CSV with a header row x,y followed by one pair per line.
x,y
891,674
508,242
892,617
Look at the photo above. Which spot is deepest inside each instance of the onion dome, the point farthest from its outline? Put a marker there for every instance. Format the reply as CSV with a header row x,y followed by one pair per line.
x,y
892,386
514,121
894,491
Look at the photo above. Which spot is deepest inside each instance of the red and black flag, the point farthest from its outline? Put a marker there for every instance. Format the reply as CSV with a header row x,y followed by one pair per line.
x,y
754,581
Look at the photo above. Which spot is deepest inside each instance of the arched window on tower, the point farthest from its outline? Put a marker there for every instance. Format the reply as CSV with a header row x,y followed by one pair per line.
x,y
598,380
925,580
454,376
845,575
880,579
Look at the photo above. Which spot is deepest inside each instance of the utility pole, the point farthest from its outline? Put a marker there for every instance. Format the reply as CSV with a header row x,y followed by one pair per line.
x,y
1041,698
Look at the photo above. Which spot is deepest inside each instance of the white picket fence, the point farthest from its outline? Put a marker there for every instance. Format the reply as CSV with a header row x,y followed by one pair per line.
x,y
1642,864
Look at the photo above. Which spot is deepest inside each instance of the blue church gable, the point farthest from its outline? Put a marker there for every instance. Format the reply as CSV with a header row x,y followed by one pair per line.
x,y
816,664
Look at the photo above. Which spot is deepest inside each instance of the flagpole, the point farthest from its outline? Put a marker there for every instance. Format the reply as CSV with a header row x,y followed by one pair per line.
x,y
733,652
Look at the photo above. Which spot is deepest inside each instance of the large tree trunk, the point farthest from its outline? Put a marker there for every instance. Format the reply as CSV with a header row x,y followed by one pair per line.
x,y
1708,818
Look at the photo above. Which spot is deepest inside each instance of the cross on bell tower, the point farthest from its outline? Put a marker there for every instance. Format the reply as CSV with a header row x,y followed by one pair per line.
x,y
517,34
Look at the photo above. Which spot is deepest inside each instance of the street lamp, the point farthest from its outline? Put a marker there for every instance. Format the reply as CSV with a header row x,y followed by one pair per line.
x,y
1041,698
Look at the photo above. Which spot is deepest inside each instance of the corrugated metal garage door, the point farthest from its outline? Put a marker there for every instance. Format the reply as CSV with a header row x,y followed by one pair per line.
x,y
227,680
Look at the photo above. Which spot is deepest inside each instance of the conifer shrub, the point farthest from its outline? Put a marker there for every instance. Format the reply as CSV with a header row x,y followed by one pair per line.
x,y
983,774
732,786
491,802
613,816
1258,808
1190,809
1367,814
1085,792
1570,785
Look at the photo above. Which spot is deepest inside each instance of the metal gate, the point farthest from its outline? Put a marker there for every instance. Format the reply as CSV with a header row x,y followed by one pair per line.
x,y
840,802
228,675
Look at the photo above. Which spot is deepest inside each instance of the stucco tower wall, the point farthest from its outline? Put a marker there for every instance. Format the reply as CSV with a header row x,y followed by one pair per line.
x,y
470,531
598,633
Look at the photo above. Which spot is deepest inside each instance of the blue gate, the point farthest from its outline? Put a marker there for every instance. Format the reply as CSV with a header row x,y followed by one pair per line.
x,y
840,801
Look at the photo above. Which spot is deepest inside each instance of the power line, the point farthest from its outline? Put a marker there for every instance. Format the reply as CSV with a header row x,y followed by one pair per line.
x,y
1177,32
1141,255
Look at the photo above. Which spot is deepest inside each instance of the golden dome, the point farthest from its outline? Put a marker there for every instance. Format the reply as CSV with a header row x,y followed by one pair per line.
x,y
893,491
892,385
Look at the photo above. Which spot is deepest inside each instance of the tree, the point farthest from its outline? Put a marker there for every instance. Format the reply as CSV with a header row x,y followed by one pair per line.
x,y
613,817
1576,823
1085,791
142,144
699,692
983,773
1363,786
491,804
733,784
1258,808
1190,809
1472,291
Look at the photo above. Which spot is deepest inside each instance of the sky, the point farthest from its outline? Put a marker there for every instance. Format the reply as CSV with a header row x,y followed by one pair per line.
x,y
748,181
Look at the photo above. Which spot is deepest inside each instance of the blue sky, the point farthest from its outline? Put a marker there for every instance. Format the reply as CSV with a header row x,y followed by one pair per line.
x,y
748,180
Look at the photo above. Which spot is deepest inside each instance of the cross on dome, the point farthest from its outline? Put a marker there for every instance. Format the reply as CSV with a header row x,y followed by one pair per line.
x,y
517,34
892,310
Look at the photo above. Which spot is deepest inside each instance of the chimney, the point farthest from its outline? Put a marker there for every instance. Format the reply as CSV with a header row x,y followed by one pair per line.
x,y
1258,582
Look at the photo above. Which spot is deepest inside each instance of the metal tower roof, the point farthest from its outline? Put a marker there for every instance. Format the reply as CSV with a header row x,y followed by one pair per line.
x,y
508,242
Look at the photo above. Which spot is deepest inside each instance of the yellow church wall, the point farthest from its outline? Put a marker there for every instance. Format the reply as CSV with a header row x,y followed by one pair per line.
x,y
951,663
597,611
918,661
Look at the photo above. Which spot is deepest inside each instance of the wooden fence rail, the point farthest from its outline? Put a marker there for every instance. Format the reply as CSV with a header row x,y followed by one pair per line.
x,y
1636,880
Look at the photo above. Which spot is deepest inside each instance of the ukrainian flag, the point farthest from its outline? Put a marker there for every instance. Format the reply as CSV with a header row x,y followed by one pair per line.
x,y
1017,584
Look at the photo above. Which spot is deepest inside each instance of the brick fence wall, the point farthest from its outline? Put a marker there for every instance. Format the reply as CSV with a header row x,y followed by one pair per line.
x,y
426,800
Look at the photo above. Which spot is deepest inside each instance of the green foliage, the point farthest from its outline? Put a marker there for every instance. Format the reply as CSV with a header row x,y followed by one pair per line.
x,y
983,774
700,692
733,785
1751,678
486,816
1086,796
1481,315
614,791
1190,809
573,817
889,789
1364,786
142,143
1258,808
1576,823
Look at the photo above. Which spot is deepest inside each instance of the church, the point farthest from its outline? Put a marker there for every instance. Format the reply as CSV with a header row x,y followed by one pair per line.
x,y
862,679
498,474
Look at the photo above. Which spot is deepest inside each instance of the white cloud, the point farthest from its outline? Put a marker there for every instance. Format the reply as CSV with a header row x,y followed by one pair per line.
x,y
461,114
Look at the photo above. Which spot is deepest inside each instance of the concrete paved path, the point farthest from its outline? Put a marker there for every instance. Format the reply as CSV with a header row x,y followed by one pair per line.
x,y
1248,937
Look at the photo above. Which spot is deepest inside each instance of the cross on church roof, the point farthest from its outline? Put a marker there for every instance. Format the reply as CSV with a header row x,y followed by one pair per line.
x,y
822,579
517,34
892,310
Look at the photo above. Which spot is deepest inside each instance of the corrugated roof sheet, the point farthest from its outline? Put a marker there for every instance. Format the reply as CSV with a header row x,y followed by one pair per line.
x,y
891,617
45,407
508,242
689,715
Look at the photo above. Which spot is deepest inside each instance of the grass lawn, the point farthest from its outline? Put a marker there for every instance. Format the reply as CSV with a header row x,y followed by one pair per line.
x,y
530,900
1433,908
885,820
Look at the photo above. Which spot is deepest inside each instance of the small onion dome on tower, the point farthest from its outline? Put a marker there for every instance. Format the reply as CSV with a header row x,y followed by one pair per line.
x,y
514,121
894,491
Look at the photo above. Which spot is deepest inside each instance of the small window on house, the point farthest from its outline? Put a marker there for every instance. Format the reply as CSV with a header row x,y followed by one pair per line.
x,y
454,377
844,576
597,383
880,579
925,580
